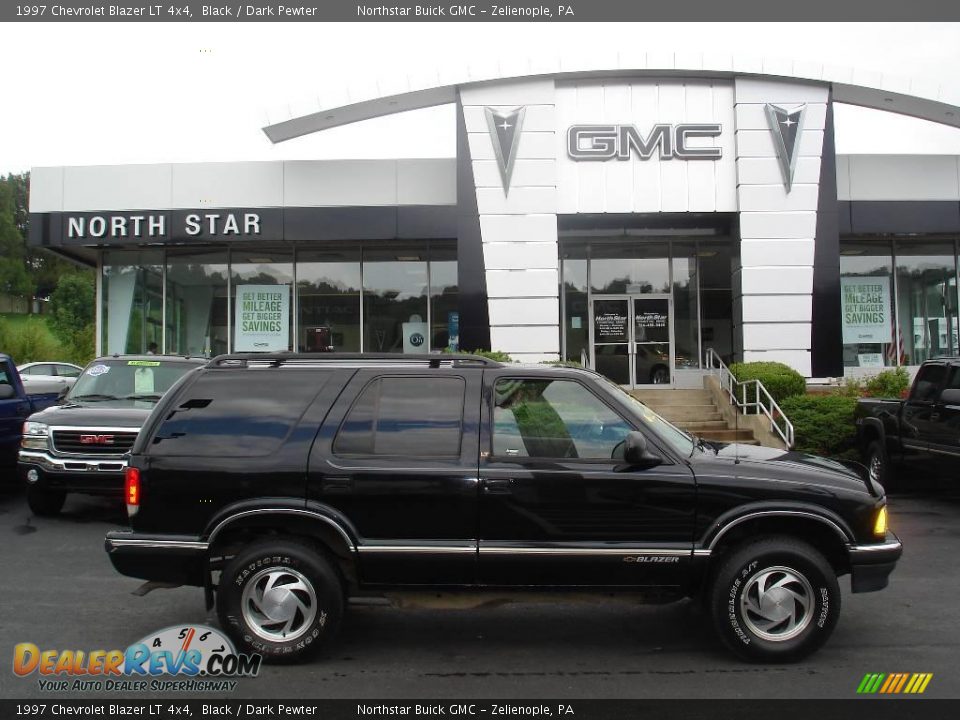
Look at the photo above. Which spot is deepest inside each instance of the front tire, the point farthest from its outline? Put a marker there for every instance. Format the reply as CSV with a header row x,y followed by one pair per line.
x,y
280,598
774,600
879,467
45,503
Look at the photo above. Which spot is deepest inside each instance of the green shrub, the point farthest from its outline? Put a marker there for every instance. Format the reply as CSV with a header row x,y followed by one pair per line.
x,y
780,380
80,349
491,354
562,363
850,387
889,383
27,342
823,424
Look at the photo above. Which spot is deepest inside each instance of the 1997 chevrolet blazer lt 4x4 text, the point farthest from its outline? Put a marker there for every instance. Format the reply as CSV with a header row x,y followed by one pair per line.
x,y
286,484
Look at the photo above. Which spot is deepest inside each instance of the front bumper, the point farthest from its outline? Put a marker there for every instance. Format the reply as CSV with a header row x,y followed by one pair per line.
x,y
73,474
871,565
179,559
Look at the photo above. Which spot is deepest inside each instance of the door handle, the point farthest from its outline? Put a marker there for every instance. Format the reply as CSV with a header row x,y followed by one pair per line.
x,y
336,484
498,486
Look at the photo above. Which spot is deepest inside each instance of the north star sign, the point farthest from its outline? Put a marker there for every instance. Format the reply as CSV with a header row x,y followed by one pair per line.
x,y
154,225
620,142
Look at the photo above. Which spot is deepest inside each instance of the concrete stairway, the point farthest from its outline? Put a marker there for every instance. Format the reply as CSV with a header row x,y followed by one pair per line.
x,y
694,411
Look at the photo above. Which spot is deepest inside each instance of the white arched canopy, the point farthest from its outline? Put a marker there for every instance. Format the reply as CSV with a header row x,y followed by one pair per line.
x,y
915,98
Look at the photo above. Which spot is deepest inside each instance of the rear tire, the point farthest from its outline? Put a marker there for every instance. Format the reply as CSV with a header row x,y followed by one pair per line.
x,y
878,466
281,598
45,503
774,600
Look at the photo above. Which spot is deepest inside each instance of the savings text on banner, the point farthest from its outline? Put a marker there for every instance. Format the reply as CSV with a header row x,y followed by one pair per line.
x,y
262,318
866,309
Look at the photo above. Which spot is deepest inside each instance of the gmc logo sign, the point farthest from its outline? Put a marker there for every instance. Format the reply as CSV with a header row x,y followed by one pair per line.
x,y
96,439
606,142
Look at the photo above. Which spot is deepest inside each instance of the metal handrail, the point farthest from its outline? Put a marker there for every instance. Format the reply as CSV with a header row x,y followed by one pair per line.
x,y
762,401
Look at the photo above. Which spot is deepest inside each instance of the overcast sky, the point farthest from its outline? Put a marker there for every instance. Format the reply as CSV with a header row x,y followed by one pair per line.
x,y
94,94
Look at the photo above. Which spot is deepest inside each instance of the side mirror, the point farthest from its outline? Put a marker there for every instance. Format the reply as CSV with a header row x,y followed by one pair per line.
x,y
950,396
636,453
7,392
63,392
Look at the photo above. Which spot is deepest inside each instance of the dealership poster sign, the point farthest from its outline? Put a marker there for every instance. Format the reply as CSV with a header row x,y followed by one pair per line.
x,y
262,318
866,309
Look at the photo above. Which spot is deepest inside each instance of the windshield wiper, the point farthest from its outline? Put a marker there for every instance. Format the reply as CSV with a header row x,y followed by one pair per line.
x,y
93,396
142,396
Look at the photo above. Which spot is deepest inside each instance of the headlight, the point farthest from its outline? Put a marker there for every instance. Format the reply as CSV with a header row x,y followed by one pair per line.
x,y
35,435
880,524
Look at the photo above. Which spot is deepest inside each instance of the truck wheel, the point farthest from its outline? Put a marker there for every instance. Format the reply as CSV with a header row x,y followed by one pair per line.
x,y
774,600
45,503
280,598
879,467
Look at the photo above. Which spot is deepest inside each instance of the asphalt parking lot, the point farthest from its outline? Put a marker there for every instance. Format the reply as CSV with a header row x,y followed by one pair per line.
x,y
60,591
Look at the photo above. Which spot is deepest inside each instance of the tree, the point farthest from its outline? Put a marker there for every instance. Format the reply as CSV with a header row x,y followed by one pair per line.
x,y
41,267
72,306
14,278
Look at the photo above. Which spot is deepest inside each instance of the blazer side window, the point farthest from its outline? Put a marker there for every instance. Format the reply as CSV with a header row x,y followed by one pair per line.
x,y
547,418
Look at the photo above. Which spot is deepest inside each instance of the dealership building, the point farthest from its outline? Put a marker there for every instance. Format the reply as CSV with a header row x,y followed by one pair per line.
x,y
630,218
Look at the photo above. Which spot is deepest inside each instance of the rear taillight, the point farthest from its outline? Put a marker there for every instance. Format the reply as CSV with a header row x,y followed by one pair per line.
x,y
131,490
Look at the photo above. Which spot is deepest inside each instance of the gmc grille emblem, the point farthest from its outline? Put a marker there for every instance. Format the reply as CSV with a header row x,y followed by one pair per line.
x,y
96,439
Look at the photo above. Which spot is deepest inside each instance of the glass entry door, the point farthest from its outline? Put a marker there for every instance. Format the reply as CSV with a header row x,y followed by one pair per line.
x,y
632,338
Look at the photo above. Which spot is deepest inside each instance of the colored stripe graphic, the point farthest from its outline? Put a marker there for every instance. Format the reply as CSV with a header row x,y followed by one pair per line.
x,y
894,683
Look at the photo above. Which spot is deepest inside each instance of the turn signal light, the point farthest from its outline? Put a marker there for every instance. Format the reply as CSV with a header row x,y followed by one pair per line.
x,y
880,524
131,489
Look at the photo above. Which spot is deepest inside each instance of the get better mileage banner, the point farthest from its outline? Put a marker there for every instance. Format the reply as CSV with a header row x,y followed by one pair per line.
x,y
866,309
262,318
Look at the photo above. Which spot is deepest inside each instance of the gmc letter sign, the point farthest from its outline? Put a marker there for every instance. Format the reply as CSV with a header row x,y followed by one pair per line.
x,y
605,142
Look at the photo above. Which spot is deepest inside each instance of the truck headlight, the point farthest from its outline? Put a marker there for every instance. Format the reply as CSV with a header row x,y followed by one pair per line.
x,y
35,435
880,524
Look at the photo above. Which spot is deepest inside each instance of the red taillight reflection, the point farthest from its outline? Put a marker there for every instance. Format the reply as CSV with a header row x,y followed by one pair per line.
x,y
131,486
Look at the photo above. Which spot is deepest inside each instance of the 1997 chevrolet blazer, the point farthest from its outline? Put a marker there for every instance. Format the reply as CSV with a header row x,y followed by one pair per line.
x,y
286,484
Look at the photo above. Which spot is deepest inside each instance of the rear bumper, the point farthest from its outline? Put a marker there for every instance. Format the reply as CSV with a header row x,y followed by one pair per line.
x,y
871,565
179,559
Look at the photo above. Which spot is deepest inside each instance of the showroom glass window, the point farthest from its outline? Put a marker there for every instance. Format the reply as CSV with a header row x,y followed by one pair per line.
x,y
633,265
926,298
328,292
715,270
262,303
686,348
576,322
444,296
866,302
196,322
132,287
395,299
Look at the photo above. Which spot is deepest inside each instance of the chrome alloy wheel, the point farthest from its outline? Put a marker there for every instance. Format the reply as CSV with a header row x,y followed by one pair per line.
x,y
279,604
777,603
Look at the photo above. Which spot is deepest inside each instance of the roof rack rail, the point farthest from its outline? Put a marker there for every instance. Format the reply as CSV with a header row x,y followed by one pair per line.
x,y
434,360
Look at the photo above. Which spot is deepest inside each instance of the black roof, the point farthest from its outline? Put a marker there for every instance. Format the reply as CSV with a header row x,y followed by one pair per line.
x,y
432,359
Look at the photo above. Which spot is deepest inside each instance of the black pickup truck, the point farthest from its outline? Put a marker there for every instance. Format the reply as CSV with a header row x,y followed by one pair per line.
x,y
79,445
916,438
286,484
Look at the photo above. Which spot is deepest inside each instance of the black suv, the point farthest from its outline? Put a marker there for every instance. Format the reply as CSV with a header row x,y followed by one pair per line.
x,y
286,484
